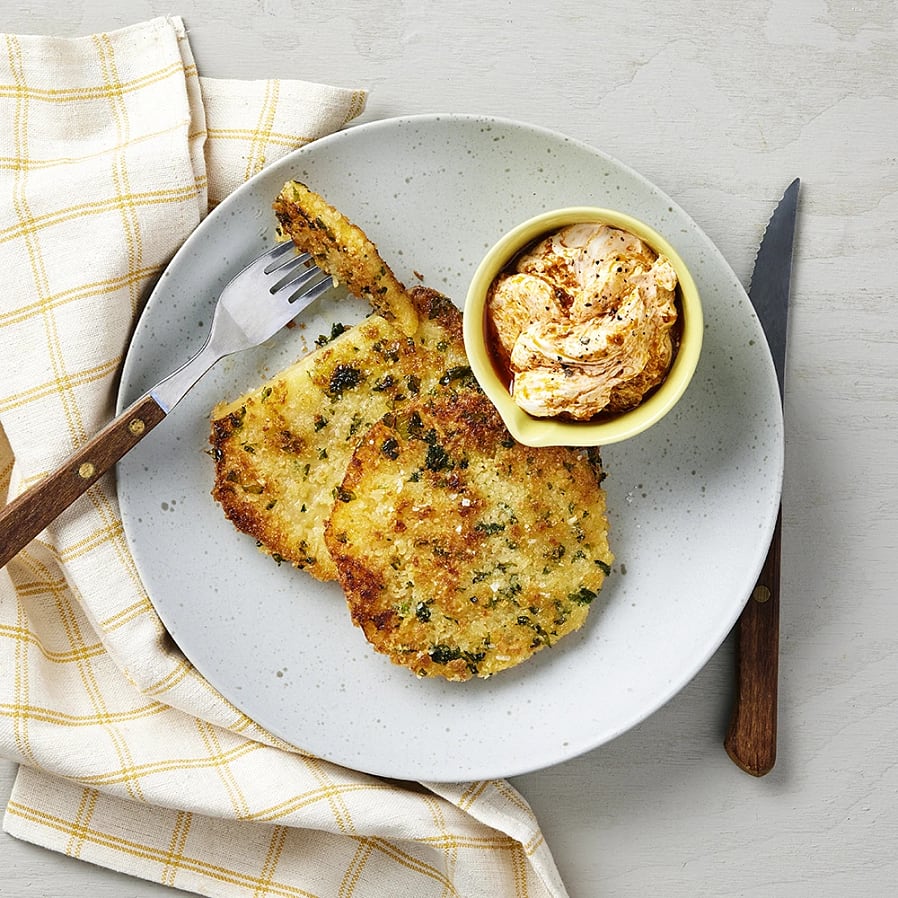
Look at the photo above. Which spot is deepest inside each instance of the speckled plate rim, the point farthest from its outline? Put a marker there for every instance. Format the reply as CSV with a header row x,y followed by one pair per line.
x,y
640,646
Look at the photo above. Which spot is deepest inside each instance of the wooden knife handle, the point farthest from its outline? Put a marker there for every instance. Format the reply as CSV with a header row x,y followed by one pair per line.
x,y
24,518
751,738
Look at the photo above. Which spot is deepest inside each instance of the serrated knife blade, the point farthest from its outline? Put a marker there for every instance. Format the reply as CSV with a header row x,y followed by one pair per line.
x,y
751,738
772,277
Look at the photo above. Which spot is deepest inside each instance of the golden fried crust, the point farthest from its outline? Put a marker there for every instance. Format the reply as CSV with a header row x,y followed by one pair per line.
x,y
343,250
460,551
281,451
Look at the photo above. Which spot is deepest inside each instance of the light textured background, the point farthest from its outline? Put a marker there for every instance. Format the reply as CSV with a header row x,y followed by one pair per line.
x,y
720,105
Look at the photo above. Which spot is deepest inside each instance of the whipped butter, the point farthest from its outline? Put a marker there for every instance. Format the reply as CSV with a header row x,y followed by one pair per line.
x,y
583,322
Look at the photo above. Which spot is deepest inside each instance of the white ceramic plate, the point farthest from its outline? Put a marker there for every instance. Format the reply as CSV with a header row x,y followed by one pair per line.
x,y
692,502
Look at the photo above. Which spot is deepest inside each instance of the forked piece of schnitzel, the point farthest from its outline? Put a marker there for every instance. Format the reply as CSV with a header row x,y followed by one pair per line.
x,y
343,250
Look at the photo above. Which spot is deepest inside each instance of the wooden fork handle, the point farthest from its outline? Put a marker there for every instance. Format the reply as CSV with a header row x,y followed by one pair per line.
x,y
751,738
24,518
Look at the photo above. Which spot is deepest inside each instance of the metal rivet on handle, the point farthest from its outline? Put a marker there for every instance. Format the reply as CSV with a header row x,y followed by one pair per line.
x,y
137,427
86,471
761,594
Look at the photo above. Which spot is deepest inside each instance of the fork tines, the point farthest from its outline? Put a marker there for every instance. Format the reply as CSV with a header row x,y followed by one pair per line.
x,y
295,273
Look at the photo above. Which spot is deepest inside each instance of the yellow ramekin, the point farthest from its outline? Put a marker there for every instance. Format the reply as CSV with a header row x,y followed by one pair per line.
x,y
533,431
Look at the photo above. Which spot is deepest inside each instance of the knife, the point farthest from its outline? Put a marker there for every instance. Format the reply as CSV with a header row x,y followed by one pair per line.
x,y
751,738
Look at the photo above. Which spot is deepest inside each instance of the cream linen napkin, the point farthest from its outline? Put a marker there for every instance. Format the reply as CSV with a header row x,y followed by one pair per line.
x,y
111,151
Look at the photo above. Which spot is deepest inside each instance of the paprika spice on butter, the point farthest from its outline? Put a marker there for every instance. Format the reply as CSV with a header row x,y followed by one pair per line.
x,y
583,322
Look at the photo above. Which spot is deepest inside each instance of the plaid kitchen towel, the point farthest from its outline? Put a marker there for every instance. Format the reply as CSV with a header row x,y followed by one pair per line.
x,y
112,149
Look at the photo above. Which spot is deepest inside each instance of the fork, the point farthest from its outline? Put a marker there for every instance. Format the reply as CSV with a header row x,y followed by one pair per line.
x,y
267,294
